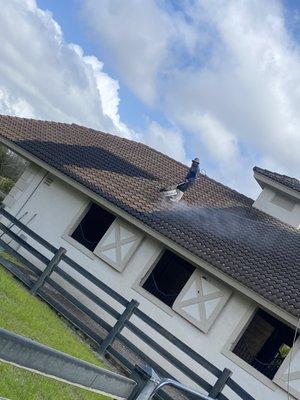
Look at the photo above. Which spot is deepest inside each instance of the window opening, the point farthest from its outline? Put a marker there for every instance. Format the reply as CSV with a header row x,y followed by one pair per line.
x,y
93,226
168,277
265,343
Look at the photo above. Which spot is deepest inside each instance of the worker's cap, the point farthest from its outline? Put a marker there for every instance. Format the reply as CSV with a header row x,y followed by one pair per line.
x,y
196,160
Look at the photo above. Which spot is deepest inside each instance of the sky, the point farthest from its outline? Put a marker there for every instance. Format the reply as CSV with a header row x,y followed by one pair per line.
x,y
214,79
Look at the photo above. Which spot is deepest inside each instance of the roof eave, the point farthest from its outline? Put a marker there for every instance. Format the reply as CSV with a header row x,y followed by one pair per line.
x,y
264,181
268,305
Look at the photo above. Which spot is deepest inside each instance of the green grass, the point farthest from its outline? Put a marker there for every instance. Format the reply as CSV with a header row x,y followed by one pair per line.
x,y
5,254
24,314
19,384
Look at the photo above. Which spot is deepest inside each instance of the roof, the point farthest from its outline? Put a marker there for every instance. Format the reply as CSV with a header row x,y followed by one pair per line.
x,y
213,222
291,183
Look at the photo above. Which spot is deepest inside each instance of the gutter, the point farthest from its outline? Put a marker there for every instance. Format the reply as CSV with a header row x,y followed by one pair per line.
x,y
266,304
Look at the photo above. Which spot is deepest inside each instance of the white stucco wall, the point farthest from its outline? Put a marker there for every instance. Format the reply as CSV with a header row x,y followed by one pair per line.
x,y
289,216
56,206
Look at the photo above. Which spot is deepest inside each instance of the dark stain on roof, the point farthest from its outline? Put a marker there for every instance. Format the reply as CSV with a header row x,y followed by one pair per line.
x,y
213,222
95,158
291,183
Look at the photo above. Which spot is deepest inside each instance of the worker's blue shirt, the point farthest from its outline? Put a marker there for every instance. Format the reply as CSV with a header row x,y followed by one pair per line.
x,y
190,178
193,173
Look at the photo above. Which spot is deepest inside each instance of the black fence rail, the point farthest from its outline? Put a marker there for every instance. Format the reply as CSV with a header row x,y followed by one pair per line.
x,y
38,281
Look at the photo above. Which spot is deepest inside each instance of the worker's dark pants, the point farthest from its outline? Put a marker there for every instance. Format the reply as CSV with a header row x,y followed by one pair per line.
x,y
184,186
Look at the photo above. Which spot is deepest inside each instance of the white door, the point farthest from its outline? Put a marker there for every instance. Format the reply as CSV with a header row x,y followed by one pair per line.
x,y
19,187
118,244
201,300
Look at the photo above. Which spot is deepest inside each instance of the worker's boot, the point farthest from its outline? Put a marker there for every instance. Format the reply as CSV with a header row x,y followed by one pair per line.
x,y
176,197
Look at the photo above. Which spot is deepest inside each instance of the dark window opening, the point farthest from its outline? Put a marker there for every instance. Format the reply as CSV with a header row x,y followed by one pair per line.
x,y
92,227
265,343
168,277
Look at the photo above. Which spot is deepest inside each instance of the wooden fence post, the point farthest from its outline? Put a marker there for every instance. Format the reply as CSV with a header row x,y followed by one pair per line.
x,y
220,383
48,270
119,325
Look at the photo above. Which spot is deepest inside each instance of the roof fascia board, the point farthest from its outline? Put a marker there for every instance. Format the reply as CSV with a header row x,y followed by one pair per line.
x,y
284,315
265,181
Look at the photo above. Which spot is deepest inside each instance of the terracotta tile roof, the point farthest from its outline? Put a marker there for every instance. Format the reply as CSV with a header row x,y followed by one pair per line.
x,y
291,183
214,222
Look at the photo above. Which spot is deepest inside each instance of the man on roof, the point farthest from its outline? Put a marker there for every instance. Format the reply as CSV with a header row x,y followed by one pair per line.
x,y
175,194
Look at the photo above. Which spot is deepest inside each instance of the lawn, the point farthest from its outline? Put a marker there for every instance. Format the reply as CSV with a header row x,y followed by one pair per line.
x,y
27,315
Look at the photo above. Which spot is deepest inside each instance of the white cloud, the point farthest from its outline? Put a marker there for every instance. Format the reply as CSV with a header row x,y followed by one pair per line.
x,y
141,39
11,105
108,89
42,76
248,84
169,141
227,72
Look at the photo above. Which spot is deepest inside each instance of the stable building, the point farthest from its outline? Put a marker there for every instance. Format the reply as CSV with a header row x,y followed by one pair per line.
x,y
219,271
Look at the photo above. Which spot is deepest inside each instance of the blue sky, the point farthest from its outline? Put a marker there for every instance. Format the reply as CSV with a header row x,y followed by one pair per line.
x,y
68,14
211,78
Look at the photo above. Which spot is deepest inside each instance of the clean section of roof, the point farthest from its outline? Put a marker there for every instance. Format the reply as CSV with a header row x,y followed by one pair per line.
x,y
213,222
291,183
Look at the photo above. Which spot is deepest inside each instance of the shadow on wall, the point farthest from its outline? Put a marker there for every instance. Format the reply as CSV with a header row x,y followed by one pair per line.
x,y
62,155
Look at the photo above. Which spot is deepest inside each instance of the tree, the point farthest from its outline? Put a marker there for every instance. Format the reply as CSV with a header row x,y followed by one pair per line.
x,y
11,167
